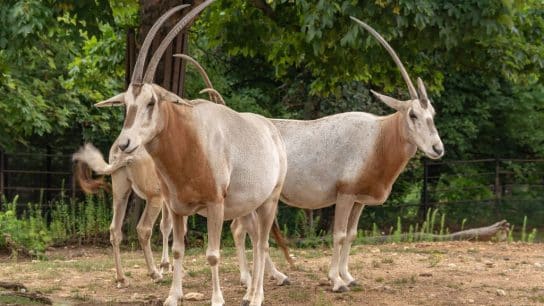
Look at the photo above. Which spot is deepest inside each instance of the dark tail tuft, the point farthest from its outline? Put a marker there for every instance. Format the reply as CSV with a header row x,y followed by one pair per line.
x,y
280,240
84,176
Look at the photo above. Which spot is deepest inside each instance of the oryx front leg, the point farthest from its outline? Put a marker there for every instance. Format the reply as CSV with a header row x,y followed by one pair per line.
x,y
239,235
351,235
178,251
144,229
215,225
121,192
344,204
166,229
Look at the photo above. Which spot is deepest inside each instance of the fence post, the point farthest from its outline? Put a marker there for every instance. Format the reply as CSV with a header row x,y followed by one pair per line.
x,y
425,194
48,176
1,173
498,189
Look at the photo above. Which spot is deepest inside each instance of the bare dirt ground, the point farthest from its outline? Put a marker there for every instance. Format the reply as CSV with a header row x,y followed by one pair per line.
x,y
439,273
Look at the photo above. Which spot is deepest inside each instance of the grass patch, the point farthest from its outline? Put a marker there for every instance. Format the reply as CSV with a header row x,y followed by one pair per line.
x,y
405,280
387,260
17,300
297,295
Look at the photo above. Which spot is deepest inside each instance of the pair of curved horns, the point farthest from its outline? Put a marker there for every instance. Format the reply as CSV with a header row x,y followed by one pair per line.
x,y
140,61
153,63
215,96
383,42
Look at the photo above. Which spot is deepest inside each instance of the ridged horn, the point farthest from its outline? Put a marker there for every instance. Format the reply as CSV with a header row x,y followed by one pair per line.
x,y
154,62
385,44
140,61
197,66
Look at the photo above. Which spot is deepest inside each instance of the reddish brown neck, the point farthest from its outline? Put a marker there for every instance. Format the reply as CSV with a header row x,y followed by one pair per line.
x,y
179,155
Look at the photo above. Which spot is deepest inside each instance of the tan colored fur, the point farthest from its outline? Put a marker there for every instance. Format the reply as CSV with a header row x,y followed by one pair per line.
x,y
390,155
192,170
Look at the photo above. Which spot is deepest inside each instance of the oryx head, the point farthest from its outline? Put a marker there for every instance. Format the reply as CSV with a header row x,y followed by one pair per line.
x,y
142,98
418,112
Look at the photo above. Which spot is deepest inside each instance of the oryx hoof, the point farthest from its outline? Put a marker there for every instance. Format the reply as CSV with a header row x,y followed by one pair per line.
x,y
285,282
172,301
353,283
164,265
122,283
341,289
245,303
156,276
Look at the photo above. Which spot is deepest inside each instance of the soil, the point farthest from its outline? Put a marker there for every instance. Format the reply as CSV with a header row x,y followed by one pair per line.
x,y
437,273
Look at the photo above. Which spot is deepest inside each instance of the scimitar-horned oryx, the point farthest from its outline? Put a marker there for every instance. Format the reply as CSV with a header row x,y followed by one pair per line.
x,y
352,160
138,174
210,160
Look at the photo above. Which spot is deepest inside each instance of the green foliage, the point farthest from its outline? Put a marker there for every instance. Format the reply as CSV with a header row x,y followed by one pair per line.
x,y
27,228
25,233
39,66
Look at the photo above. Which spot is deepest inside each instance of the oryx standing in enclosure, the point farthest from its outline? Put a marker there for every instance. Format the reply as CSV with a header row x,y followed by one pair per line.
x,y
138,174
352,160
210,160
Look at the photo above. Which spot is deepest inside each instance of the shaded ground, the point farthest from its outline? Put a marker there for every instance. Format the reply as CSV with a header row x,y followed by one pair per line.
x,y
440,273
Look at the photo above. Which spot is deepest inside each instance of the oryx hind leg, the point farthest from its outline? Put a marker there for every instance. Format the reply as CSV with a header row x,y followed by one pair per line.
x,y
145,228
239,234
265,216
121,189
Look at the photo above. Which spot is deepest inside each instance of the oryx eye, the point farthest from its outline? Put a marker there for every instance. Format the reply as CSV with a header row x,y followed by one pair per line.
x,y
151,104
412,115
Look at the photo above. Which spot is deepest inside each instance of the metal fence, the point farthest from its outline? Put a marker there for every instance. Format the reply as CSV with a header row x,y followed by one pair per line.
x,y
36,177
44,177
482,180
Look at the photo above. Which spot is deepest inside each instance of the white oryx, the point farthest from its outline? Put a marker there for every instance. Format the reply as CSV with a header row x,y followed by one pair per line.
x,y
352,160
138,173
140,177
210,160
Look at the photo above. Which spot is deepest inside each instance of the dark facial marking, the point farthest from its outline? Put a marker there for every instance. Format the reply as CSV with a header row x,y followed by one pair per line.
x,y
151,107
430,124
131,115
136,89
412,115
424,102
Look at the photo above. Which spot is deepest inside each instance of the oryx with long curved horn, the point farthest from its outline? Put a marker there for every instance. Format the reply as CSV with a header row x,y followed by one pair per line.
x,y
352,160
210,160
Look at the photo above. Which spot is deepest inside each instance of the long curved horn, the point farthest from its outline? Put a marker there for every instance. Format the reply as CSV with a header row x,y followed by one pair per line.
x,y
154,62
199,67
140,61
383,42
215,96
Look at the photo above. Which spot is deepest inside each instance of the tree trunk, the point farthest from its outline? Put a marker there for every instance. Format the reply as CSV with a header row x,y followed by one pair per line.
x,y
170,73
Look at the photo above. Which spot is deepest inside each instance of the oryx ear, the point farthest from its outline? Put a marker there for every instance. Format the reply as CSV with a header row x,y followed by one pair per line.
x,y
422,93
391,102
113,101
